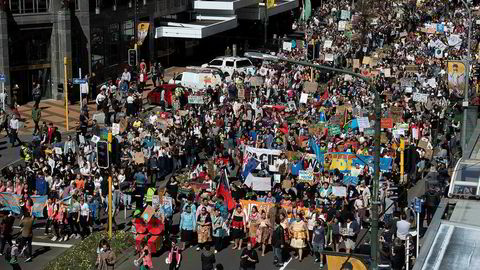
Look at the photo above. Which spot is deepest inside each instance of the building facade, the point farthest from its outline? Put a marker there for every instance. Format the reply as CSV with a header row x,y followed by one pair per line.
x,y
95,35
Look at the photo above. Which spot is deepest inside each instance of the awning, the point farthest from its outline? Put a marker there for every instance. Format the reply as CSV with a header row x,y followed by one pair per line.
x,y
223,5
202,27
257,12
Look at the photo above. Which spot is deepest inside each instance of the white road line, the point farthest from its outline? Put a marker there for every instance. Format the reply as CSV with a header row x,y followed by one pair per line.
x,y
38,228
45,244
285,264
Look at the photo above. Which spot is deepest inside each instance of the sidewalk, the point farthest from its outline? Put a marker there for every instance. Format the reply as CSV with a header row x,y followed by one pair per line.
x,y
53,111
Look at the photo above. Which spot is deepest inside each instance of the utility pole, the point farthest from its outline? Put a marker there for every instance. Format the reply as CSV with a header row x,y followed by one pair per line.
x,y
467,80
265,24
110,214
65,89
376,181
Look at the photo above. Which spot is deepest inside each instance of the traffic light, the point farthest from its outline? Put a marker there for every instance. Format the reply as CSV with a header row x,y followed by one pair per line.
x,y
310,51
103,160
132,57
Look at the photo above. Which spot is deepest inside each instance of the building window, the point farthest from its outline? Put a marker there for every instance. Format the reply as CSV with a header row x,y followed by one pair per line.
x,y
29,6
77,4
98,48
128,30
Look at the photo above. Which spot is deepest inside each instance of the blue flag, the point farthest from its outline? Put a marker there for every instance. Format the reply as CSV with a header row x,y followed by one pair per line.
x,y
251,165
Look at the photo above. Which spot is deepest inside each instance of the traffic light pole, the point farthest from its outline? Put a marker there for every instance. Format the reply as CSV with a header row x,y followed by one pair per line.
x,y
110,212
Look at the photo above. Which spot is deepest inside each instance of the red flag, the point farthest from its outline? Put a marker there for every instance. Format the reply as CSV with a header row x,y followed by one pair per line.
x,y
325,94
223,189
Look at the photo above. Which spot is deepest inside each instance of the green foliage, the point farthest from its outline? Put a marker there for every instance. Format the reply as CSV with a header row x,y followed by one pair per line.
x,y
83,255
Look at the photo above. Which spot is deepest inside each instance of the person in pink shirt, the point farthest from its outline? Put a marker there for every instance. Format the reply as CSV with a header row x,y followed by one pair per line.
x,y
3,187
19,188
9,187
146,256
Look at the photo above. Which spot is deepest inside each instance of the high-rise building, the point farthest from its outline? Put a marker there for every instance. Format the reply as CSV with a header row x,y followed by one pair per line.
x,y
95,36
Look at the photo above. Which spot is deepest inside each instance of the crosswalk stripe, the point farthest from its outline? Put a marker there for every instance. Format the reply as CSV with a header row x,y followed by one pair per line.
x,y
45,244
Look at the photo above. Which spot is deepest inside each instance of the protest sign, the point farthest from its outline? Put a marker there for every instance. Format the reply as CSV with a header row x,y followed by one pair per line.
x,y
386,123
387,72
139,158
258,183
419,97
310,87
317,129
148,214
286,184
292,106
363,122
340,110
339,191
327,44
369,132
356,63
241,91
329,57
342,25
287,46
115,129
383,137
334,130
156,201
345,15
277,178
304,98
366,60
95,139
195,99
305,176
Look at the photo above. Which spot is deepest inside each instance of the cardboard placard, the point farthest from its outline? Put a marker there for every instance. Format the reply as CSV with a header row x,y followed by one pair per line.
x,y
195,99
383,137
419,97
241,91
304,98
386,123
317,129
286,184
310,87
139,158
356,63
366,60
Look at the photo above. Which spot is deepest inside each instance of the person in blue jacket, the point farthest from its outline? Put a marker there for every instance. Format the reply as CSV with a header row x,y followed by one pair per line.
x,y
188,226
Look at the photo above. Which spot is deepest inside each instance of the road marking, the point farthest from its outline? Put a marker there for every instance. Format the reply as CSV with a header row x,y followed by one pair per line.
x,y
45,244
285,264
38,228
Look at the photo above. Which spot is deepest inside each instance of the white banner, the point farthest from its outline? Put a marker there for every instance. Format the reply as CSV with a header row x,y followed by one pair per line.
x,y
287,46
363,122
339,191
195,99
419,97
259,183
267,156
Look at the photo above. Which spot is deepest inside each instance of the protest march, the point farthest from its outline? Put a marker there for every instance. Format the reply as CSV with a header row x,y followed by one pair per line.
x,y
279,160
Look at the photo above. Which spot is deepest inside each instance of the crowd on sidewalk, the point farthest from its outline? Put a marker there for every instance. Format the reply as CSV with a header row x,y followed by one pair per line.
x,y
285,166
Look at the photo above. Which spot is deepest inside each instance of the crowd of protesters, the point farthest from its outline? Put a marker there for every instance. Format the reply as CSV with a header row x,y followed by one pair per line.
x,y
205,144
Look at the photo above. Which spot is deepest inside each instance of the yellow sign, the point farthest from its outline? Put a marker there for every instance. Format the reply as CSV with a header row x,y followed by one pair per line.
x,y
456,77
336,263
142,32
270,3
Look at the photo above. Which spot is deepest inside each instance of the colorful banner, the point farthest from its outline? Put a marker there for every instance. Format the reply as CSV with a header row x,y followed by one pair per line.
x,y
39,203
247,206
10,202
340,262
266,156
142,32
456,78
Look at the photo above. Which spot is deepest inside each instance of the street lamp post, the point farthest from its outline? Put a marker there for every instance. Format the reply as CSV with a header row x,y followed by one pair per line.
x,y
378,112
467,80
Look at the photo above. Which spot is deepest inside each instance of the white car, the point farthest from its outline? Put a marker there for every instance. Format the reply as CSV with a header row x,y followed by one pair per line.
x,y
229,64
198,78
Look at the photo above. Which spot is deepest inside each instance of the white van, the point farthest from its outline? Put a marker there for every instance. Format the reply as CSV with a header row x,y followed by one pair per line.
x,y
198,78
229,64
